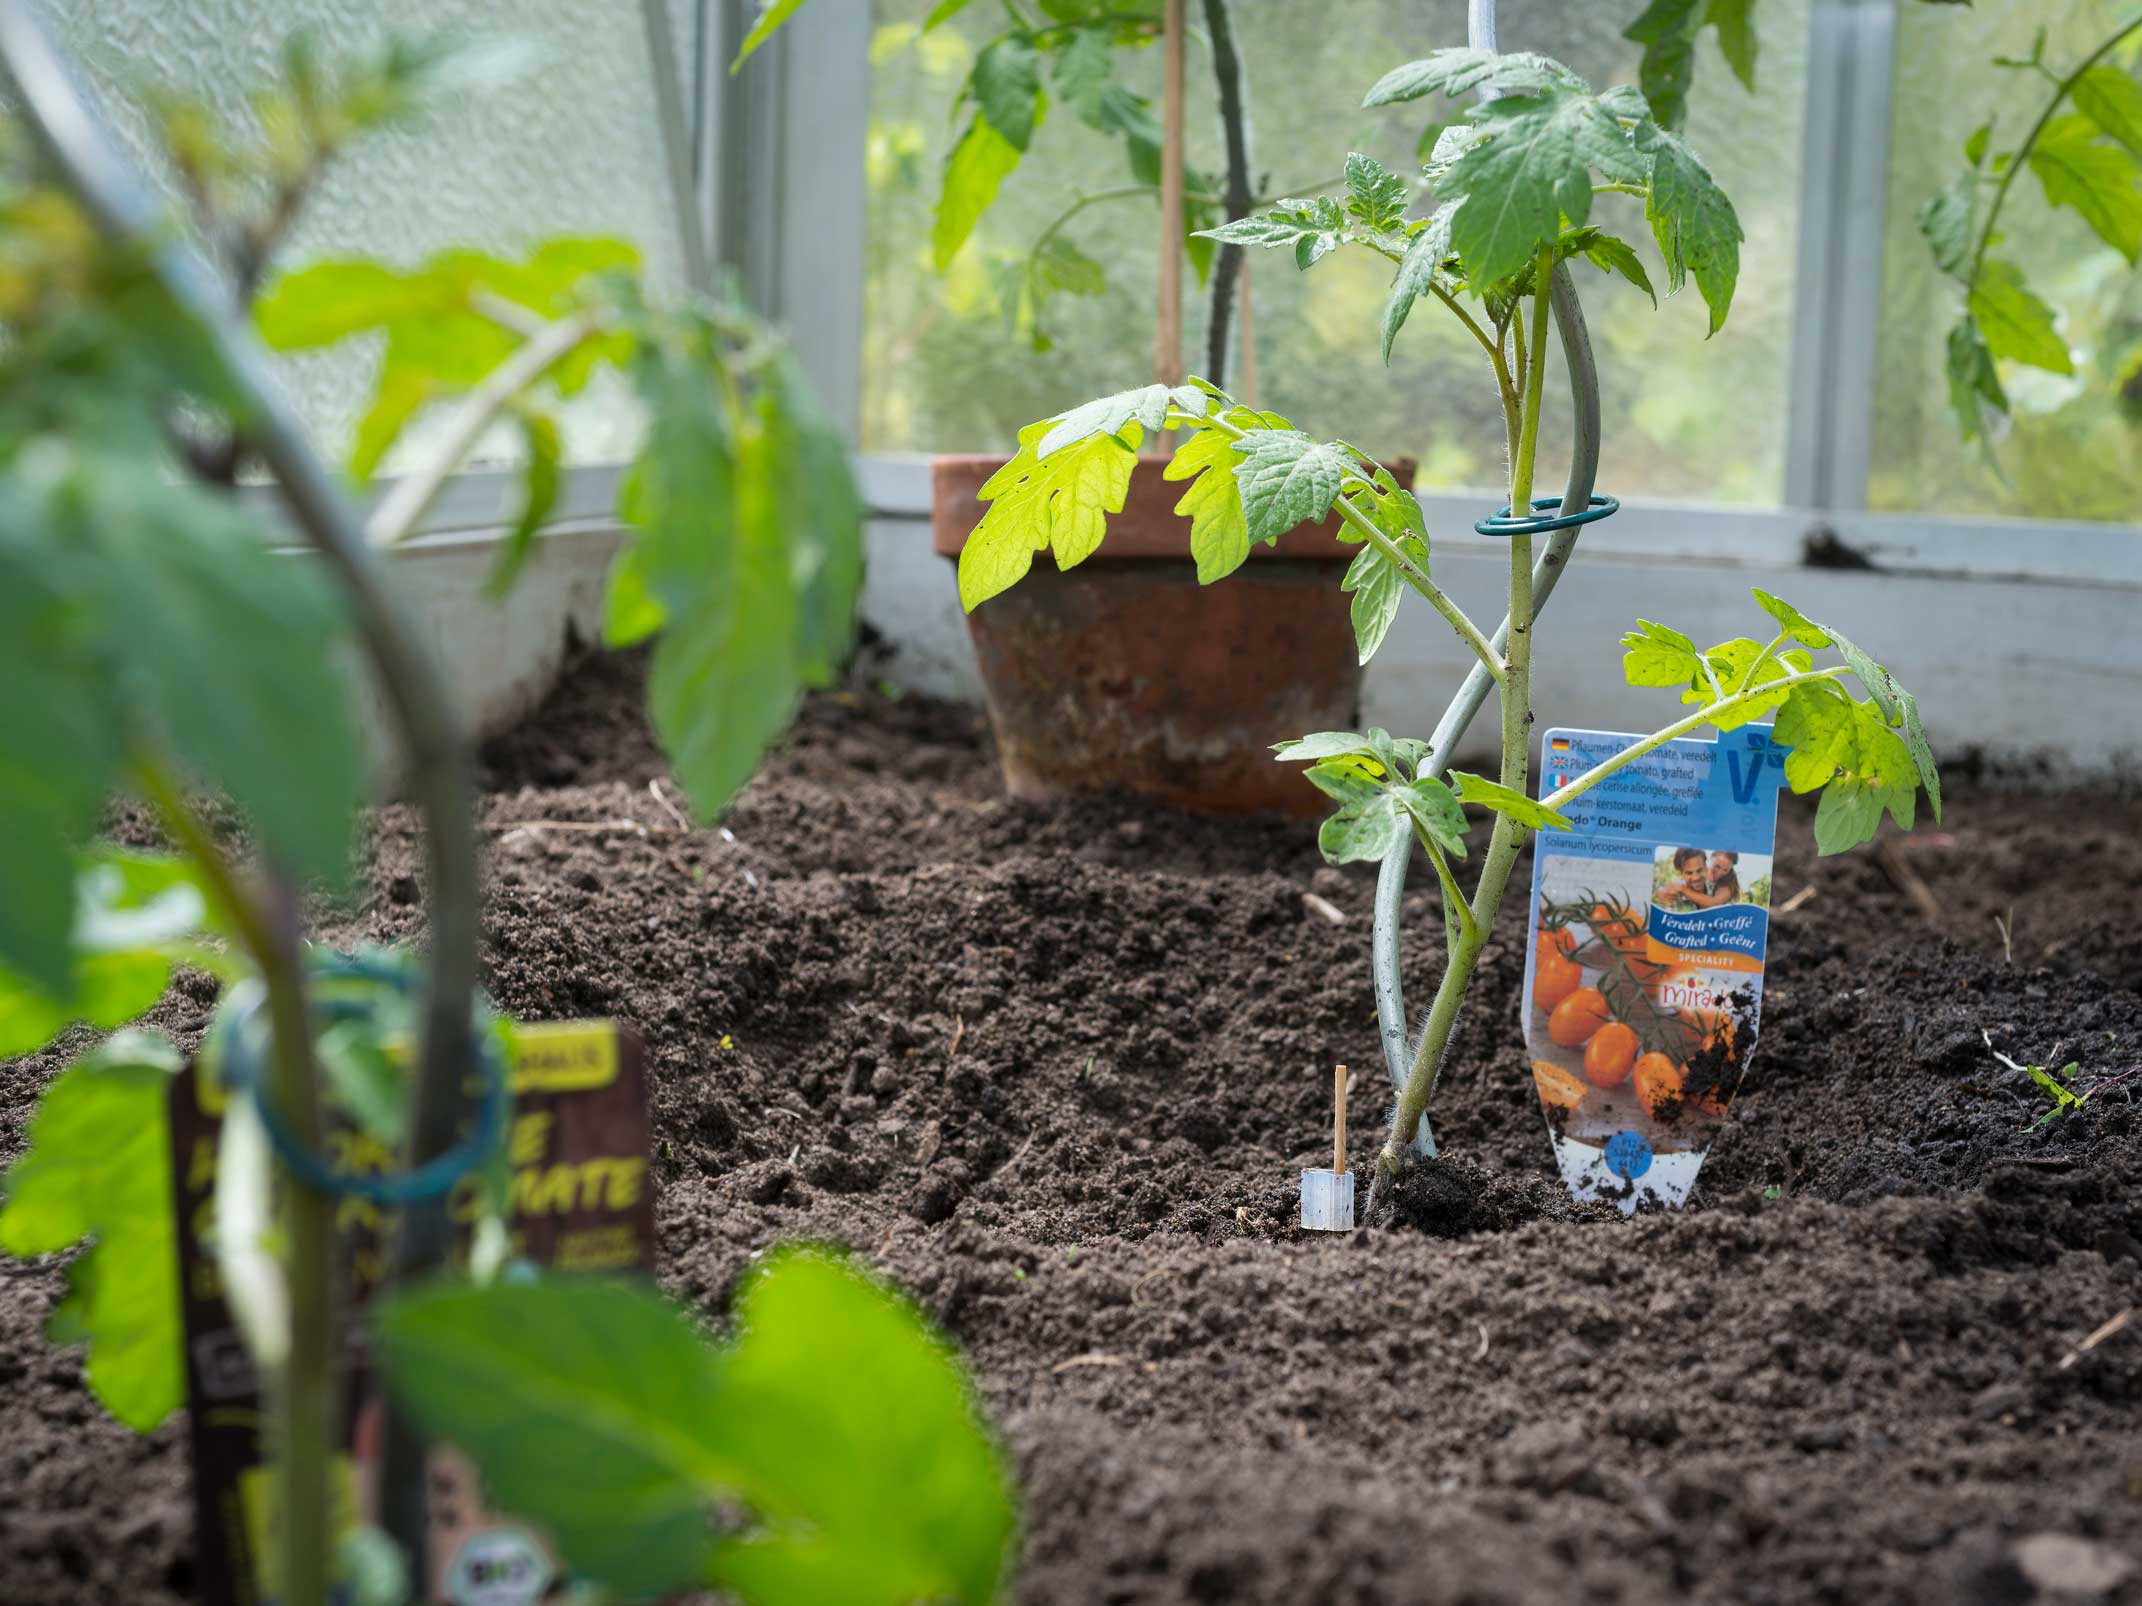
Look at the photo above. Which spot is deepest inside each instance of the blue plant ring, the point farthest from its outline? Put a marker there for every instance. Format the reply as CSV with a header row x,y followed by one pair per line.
x,y
239,1043
1502,524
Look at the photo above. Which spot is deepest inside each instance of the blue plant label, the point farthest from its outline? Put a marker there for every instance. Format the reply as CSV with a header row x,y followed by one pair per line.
x,y
1644,976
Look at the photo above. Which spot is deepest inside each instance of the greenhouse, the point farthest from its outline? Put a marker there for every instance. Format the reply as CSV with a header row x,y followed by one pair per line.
x,y
882,802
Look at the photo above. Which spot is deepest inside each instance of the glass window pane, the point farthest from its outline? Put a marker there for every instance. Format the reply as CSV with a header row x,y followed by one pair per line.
x,y
948,367
573,148
2071,450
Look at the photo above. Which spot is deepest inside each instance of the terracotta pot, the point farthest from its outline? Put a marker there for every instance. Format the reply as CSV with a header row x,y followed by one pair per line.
x,y
1125,673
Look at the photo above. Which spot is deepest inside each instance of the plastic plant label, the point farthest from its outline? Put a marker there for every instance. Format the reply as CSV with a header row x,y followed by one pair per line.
x,y
1644,979
578,1198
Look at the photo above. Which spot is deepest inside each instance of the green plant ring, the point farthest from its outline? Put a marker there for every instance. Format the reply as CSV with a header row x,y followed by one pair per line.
x,y
239,1046
1501,524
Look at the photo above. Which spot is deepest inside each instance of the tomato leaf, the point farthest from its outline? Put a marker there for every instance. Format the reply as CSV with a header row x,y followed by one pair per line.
x,y
2112,100
1505,800
1460,69
1659,655
136,914
1219,533
1006,86
1697,230
1148,406
1287,479
2098,180
883,1491
974,172
2012,322
1374,194
98,1167
1034,506
1419,270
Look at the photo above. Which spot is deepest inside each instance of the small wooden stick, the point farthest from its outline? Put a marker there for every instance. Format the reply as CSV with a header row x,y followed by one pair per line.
x,y
1338,1121
1168,337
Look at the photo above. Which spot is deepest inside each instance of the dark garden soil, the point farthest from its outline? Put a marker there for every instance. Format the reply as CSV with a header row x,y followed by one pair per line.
x,y
1055,1071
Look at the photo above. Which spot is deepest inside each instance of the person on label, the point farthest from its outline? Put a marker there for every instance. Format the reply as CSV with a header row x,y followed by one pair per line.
x,y
1719,883
1689,865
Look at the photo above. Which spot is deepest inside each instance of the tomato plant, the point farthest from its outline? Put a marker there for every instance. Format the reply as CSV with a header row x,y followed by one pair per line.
x,y
153,645
1514,187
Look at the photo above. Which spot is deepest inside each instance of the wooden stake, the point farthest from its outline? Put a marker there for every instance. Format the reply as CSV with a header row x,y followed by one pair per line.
x,y
1338,1121
1168,341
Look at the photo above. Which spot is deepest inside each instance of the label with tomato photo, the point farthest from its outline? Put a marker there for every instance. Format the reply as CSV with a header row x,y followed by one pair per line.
x,y
1644,981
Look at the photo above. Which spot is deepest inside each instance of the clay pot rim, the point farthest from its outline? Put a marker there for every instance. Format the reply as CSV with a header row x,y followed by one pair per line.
x,y
1133,538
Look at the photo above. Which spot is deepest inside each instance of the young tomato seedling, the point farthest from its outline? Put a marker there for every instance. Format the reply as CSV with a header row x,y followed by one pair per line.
x,y
1513,184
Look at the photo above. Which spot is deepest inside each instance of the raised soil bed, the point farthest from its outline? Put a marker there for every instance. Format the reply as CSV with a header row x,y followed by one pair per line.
x,y
1054,1070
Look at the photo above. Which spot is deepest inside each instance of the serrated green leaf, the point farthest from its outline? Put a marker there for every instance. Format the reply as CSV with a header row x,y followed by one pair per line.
x,y
2113,101
1059,267
1062,504
1736,667
1975,144
1435,809
98,1166
977,167
1944,219
1697,230
331,301
1735,22
1106,415
1974,382
771,16
748,555
1501,799
1791,621
1530,173
59,749
1460,69
2100,181
1450,144
881,1492
1368,821
1374,194
1612,255
1378,589
1006,86
1899,708
1417,272
1287,479
1376,584
1085,67
1659,655
228,657
1219,534
2013,322
1666,29
1850,814
1832,737
1321,745
135,914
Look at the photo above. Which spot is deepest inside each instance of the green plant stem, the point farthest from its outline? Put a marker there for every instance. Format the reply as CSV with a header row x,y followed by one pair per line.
x,y
2063,87
396,518
1508,836
303,1392
1681,727
1755,668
